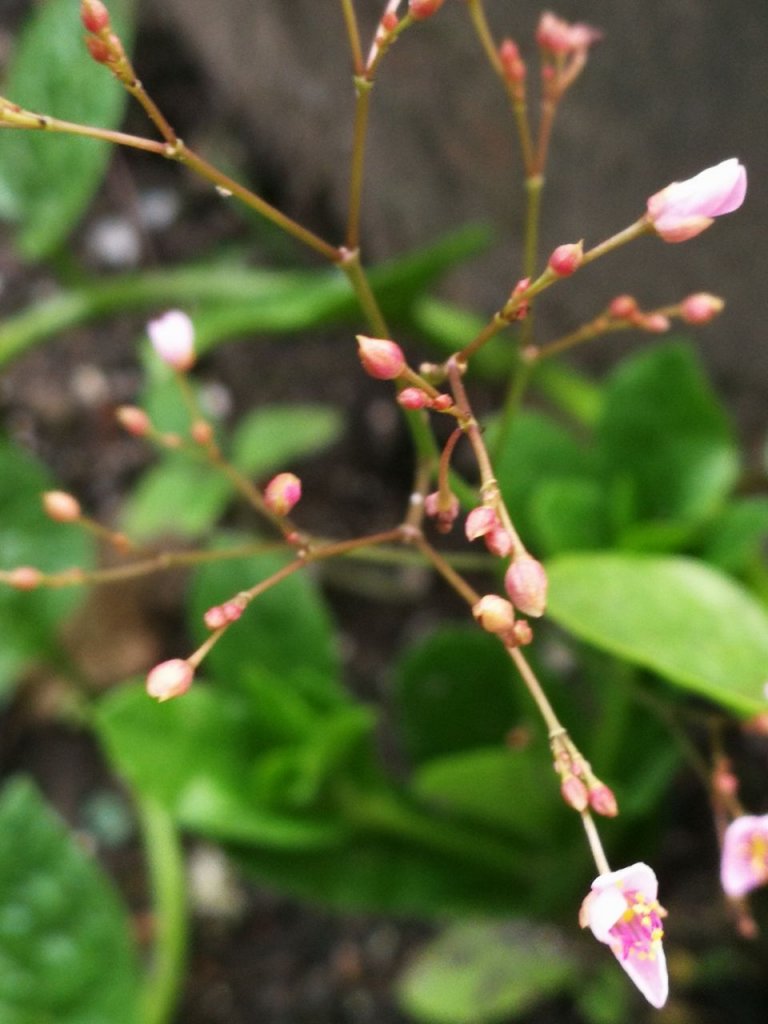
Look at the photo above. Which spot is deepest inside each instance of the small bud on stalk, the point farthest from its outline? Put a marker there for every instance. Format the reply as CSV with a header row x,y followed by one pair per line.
x,y
441,403
421,9
98,49
443,511
173,338
413,398
381,358
566,259
602,800
495,614
224,614
282,493
94,16
499,542
623,307
701,308
513,66
654,323
481,521
170,679
574,793
526,583
61,507
134,420
25,577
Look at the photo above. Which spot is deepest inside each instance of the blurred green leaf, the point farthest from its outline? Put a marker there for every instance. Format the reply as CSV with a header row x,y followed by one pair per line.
x,y
738,538
53,177
29,621
568,514
684,620
65,947
179,496
454,691
274,438
486,971
664,434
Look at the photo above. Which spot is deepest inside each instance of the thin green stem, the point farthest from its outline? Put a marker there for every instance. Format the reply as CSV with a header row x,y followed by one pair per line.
x,y
363,87
353,33
163,981
595,845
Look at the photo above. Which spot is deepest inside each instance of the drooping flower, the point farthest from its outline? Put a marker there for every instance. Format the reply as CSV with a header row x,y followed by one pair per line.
x,y
685,208
622,911
744,864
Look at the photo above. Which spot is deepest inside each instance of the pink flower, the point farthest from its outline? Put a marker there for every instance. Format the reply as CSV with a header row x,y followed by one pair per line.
x,y
173,339
622,911
685,208
744,864
170,679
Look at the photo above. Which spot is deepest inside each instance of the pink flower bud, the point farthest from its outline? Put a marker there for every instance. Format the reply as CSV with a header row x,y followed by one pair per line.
x,y
170,679
202,432
574,793
700,308
61,507
566,259
282,493
381,358
522,633
134,420
173,339
559,37
441,402
413,398
623,307
94,16
25,577
98,49
495,614
512,63
421,9
602,800
224,614
526,583
685,208
445,511
655,323
498,542
480,521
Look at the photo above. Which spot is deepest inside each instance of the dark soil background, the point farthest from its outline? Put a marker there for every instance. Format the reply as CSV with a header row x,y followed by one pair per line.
x,y
674,88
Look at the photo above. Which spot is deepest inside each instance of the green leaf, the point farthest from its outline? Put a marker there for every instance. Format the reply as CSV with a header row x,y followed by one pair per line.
x,y
285,633
275,437
684,620
53,177
665,437
737,538
454,691
65,948
29,620
179,497
485,971
568,514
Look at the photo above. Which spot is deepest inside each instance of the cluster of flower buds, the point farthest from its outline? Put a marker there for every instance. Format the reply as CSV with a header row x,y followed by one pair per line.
x,y
172,336
496,615
625,308
225,614
282,493
513,68
103,45
563,47
443,508
579,786
684,209
484,522
417,398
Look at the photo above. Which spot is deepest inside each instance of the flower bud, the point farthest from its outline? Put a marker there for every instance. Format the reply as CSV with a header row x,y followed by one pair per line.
x,y
566,259
445,511
201,432
522,633
98,49
498,542
526,583
481,521
512,64
623,307
282,493
134,420
655,323
170,679
413,398
421,9
574,793
173,338
25,577
61,507
440,403
224,614
700,308
381,358
495,614
94,16
602,800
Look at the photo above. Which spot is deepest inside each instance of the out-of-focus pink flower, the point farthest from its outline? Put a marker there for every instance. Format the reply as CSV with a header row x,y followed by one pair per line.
x,y
685,208
701,307
170,679
622,911
560,37
744,864
173,339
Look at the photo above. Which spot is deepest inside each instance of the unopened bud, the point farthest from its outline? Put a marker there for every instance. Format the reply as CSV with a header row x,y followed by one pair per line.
x,y
170,679
512,63
282,493
134,420
440,403
526,583
173,338
25,577
202,432
381,358
481,521
495,614
444,510
421,9
522,633
574,793
566,259
623,307
602,801
701,308
498,542
224,614
413,398
98,49
61,507
656,323
94,16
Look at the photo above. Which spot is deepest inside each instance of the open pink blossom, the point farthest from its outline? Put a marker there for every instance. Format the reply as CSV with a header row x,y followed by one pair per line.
x,y
685,208
744,864
622,911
